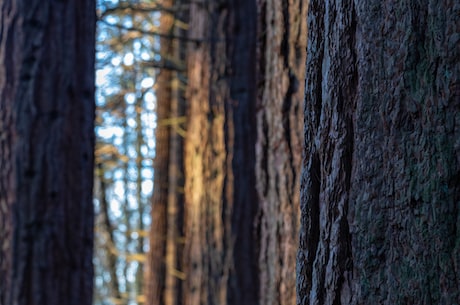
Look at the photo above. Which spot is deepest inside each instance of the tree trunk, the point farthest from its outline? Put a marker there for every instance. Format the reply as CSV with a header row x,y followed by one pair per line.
x,y
175,234
157,269
108,227
9,73
240,197
243,151
281,59
206,224
220,139
47,87
380,197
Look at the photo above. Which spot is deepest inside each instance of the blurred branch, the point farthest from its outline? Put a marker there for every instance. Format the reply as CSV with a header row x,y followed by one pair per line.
x,y
108,226
154,33
122,8
146,8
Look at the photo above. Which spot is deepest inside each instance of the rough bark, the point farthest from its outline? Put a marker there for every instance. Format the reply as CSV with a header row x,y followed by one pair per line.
x,y
9,74
281,60
206,258
219,155
243,151
380,195
47,88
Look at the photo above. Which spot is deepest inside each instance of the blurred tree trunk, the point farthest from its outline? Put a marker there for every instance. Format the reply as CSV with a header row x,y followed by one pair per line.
x,y
140,142
281,48
219,220
175,234
242,155
110,242
47,109
380,201
158,275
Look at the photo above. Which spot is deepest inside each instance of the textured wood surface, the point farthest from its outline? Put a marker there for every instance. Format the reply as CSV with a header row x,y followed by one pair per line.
x,y
50,93
380,183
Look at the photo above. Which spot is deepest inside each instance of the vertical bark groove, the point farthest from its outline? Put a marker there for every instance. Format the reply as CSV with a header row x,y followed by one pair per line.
x,y
375,96
9,57
50,108
279,138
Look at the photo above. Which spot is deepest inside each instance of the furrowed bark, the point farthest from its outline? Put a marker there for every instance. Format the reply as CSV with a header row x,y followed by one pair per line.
x,y
221,252
380,192
9,74
48,96
281,50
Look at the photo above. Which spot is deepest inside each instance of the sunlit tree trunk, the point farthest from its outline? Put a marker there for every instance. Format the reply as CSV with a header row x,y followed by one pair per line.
x,y
380,201
243,151
47,88
207,257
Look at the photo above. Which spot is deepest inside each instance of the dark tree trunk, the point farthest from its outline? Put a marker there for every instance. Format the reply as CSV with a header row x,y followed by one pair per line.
x,y
47,88
240,133
380,197
9,73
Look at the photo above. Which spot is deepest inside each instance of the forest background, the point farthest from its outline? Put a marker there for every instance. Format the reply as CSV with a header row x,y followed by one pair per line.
x,y
233,162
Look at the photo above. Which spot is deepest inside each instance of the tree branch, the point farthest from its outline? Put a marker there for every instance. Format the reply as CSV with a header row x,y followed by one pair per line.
x,y
154,33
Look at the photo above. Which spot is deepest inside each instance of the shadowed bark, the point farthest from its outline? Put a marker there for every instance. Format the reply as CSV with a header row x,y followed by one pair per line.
x,y
156,261
162,283
9,73
47,104
380,185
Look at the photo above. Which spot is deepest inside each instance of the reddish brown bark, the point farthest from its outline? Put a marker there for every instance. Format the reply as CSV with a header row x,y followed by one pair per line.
x,y
281,50
243,152
158,277
219,156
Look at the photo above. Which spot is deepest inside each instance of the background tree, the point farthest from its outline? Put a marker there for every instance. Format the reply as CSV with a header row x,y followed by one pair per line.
x,y
245,62
242,151
380,192
164,273
47,142
281,57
